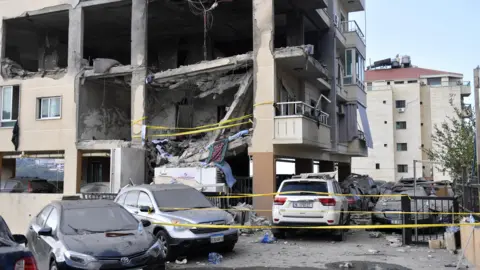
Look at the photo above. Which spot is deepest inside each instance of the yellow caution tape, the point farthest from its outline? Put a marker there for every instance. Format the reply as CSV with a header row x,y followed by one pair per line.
x,y
138,121
240,195
340,227
221,123
263,103
196,131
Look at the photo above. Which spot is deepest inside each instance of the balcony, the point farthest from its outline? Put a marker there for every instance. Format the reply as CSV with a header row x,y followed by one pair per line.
x,y
353,5
358,146
465,89
299,123
354,36
341,92
355,90
466,110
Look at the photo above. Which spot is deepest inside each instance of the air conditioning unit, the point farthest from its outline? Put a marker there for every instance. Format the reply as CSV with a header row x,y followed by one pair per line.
x,y
341,109
401,110
422,84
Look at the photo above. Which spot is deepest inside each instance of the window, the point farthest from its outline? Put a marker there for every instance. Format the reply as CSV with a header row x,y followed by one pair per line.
x,y
144,200
385,145
49,108
399,82
384,102
434,81
388,83
413,81
52,220
132,199
377,166
360,67
401,146
369,86
421,103
384,122
400,104
348,67
10,100
402,168
121,199
401,125
43,215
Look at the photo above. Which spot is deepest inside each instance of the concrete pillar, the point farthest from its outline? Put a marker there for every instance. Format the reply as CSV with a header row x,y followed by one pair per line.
x,y
344,170
264,93
303,165
75,40
3,35
71,181
326,166
295,28
331,61
139,61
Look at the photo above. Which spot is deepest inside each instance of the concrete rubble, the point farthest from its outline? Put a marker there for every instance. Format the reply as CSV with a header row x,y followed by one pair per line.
x,y
243,214
10,69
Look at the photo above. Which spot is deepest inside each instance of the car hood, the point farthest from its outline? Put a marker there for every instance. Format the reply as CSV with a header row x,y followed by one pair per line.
x,y
198,215
101,245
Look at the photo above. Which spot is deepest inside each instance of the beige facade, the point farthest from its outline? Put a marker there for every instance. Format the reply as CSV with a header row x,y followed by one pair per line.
x,y
304,92
404,106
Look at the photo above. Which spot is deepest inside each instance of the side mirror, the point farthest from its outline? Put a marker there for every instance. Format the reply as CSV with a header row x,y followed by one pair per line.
x,y
20,239
146,209
47,231
146,223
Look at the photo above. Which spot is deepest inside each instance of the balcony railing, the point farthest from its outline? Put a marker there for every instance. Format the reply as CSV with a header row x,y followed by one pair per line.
x,y
361,135
295,108
452,83
352,26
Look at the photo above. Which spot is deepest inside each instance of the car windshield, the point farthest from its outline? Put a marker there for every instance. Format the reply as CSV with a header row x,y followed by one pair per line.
x,y
97,220
180,199
411,192
304,188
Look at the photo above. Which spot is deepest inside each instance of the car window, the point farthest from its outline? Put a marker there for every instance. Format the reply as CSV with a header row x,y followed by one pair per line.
x,y
52,220
42,216
292,187
132,198
144,200
121,199
97,220
353,191
189,198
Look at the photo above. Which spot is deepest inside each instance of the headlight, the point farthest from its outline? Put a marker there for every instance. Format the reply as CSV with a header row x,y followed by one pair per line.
x,y
155,250
79,260
180,228
229,219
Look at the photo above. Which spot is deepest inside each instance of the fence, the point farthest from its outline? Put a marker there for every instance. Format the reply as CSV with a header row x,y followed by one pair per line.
x,y
470,197
427,210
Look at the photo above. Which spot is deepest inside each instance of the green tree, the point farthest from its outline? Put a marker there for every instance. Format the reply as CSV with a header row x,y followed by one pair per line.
x,y
452,142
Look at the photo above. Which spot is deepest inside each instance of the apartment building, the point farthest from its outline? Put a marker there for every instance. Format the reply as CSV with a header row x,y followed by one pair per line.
x,y
111,86
405,103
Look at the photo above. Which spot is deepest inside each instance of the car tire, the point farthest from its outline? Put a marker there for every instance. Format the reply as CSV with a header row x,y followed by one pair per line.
x,y
279,233
339,234
53,266
164,238
229,247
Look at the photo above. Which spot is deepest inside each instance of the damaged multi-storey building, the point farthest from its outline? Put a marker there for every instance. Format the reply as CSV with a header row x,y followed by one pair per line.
x,y
120,87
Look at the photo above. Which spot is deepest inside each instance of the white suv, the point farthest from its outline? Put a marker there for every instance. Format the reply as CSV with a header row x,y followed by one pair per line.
x,y
301,207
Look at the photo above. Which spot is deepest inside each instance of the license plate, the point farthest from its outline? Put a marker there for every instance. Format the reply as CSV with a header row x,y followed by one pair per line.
x,y
302,204
396,221
216,239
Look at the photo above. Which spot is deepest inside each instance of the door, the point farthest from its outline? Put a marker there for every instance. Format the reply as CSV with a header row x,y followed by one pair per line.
x,y
45,243
34,243
145,200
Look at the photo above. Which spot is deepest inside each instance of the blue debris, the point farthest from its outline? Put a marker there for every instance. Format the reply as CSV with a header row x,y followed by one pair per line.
x,y
214,258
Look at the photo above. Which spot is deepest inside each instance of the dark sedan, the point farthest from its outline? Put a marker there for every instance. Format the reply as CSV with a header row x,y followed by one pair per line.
x,y
13,255
92,234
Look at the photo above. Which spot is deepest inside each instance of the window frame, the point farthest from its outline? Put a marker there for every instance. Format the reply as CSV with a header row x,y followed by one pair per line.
x,y
348,77
149,198
10,123
399,126
54,229
403,166
49,208
136,200
49,117
402,150
399,102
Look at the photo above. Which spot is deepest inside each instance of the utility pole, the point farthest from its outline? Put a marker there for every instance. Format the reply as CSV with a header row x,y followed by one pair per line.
x,y
476,85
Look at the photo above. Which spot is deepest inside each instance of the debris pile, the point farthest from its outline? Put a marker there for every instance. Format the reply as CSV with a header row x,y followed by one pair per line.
x,y
394,240
243,213
10,69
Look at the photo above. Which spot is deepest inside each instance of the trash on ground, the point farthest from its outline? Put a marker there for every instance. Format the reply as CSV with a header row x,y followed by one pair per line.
x,y
267,238
436,244
346,265
214,258
184,261
375,234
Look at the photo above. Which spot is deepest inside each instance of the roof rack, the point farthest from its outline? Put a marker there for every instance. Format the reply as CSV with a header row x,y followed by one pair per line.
x,y
322,175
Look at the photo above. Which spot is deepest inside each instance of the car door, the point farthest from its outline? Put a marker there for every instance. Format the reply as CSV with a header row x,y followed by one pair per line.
x,y
46,243
131,202
32,235
145,200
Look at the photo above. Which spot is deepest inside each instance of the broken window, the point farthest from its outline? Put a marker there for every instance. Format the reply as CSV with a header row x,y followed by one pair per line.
x,y
49,108
10,99
107,32
38,42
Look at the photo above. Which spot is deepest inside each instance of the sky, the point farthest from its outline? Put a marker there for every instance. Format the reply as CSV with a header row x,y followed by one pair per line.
x,y
436,34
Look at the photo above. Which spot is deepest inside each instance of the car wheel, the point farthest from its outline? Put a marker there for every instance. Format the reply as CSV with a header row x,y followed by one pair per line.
x,y
229,247
279,234
339,234
53,266
164,238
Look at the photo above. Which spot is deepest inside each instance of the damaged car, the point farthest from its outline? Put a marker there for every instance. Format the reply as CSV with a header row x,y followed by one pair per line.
x,y
92,234
365,182
13,255
179,204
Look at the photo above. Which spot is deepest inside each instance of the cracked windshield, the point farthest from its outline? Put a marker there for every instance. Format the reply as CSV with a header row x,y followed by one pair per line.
x,y
239,134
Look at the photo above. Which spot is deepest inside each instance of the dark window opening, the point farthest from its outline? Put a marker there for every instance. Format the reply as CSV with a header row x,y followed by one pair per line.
x,y
377,166
402,168
388,83
400,103
413,81
385,145
401,146
384,102
221,112
401,125
384,122
399,82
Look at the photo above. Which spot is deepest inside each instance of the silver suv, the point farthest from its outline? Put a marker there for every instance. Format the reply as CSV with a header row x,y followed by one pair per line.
x,y
179,204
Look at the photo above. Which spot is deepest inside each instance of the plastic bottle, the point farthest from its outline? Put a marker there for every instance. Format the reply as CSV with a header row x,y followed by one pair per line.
x,y
214,258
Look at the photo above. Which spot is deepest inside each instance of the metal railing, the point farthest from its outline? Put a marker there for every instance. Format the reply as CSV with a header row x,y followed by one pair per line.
x,y
352,26
293,108
451,83
361,135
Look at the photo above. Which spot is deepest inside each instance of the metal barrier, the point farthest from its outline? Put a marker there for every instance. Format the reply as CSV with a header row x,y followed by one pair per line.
x,y
470,201
427,210
244,185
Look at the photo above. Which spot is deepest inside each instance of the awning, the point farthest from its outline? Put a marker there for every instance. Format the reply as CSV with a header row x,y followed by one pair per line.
x,y
365,125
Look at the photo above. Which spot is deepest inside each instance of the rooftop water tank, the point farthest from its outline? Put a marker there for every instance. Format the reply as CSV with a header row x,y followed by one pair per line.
x,y
406,62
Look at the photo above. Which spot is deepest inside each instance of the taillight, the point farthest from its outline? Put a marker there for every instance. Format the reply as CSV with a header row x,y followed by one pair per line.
x,y
279,200
29,188
27,263
351,200
328,201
